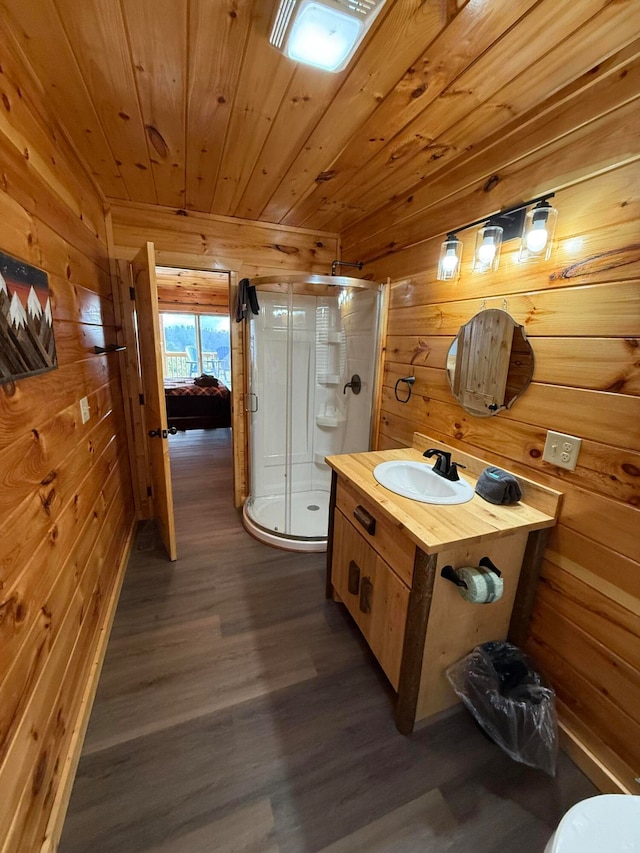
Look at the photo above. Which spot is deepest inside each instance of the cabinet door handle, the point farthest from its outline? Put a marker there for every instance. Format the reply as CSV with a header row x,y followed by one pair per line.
x,y
365,519
353,584
366,591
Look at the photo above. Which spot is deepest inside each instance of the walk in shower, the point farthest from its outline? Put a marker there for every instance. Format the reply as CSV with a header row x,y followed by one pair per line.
x,y
313,351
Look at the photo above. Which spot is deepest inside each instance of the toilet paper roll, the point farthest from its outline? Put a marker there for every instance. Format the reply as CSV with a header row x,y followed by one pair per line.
x,y
483,585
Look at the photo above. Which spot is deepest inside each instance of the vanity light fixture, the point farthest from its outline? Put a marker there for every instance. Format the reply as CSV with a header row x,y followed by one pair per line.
x,y
535,229
322,33
450,258
539,228
488,243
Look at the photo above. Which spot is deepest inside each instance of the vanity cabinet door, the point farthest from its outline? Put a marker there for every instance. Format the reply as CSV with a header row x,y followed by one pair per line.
x,y
387,539
374,595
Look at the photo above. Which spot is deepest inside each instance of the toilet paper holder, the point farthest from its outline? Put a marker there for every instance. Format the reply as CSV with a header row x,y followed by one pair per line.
x,y
450,574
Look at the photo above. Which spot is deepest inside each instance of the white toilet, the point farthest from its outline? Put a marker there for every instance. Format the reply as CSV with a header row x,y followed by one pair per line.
x,y
609,823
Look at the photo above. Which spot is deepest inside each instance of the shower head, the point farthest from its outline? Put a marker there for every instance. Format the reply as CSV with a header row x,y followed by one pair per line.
x,y
357,265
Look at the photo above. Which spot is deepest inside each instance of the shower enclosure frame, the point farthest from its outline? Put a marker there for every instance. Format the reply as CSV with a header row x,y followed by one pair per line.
x,y
305,284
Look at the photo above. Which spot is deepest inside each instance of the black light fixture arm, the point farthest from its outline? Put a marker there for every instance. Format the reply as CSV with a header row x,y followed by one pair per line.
x,y
505,212
358,265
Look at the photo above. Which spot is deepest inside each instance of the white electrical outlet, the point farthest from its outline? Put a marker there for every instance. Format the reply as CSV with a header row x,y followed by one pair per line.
x,y
85,412
562,450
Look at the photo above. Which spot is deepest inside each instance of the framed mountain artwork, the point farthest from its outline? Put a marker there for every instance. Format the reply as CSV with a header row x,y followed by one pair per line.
x,y
27,344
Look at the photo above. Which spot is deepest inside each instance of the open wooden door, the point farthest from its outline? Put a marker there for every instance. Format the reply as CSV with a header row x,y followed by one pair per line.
x,y
146,296
239,363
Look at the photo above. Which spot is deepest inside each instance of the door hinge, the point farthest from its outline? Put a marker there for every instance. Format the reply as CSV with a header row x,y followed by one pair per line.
x,y
141,399
132,293
149,492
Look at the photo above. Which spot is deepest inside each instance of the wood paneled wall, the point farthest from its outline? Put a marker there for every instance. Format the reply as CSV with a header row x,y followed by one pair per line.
x,y
204,241
66,510
581,311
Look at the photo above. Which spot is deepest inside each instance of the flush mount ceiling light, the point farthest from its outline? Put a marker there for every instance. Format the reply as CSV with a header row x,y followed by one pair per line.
x,y
322,33
535,228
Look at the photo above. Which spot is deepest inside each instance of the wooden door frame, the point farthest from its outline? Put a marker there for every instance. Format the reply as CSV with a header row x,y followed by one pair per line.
x,y
239,423
132,389
376,403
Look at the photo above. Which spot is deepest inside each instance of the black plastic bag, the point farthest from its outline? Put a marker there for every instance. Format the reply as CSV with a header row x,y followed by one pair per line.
x,y
510,701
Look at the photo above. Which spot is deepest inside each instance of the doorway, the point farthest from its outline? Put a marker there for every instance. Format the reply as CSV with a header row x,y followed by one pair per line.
x,y
194,344
202,297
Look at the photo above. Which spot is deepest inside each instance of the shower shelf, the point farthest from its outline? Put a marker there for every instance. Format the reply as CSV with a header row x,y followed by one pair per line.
x,y
318,458
329,378
329,421
329,337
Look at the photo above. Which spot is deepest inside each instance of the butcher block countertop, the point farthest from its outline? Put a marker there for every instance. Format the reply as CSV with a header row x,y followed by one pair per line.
x,y
435,527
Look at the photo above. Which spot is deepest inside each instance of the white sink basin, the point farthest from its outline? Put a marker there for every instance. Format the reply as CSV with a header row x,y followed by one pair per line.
x,y
417,480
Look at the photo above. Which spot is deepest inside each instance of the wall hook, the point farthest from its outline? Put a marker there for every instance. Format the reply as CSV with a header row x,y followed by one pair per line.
x,y
109,348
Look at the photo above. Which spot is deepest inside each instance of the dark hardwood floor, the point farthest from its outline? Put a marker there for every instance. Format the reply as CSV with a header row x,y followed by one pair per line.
x,y
238,711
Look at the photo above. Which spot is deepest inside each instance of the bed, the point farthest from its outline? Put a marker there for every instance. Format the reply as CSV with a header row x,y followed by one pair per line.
x,y
191,406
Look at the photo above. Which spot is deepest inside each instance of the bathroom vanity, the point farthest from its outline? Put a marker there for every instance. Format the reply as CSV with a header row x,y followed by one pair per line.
x,y
384,561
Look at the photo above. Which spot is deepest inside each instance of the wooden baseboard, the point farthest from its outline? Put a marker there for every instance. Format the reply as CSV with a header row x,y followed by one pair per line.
x,y
53,831
607,772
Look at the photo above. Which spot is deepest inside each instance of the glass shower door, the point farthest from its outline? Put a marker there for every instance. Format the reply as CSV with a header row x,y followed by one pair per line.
x,y
304,347
282,364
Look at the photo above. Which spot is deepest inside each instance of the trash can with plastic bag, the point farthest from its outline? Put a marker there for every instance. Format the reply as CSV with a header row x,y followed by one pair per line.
x,y
510,701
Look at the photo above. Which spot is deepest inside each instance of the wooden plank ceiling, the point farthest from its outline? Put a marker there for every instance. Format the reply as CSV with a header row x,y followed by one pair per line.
x,y
192,291
184,103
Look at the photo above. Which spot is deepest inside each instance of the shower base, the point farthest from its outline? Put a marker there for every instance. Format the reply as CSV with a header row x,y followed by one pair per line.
x,y
264,518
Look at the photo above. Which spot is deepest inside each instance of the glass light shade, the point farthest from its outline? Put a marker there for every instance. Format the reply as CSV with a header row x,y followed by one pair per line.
x,y
539,228
488,244
322,36
450,259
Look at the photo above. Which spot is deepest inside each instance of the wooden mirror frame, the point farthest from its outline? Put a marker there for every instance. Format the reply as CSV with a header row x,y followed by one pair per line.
x,y
490,363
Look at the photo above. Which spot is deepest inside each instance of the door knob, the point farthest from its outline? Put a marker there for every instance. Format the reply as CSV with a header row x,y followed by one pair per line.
x,y
164,433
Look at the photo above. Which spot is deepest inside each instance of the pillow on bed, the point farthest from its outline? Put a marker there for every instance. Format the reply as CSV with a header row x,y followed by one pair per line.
x,y
206,381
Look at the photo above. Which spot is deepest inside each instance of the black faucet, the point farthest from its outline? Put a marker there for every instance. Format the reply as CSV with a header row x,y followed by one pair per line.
x,y
444,466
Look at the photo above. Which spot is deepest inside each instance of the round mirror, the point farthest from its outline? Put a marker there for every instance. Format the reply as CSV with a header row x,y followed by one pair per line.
x,y
490,363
